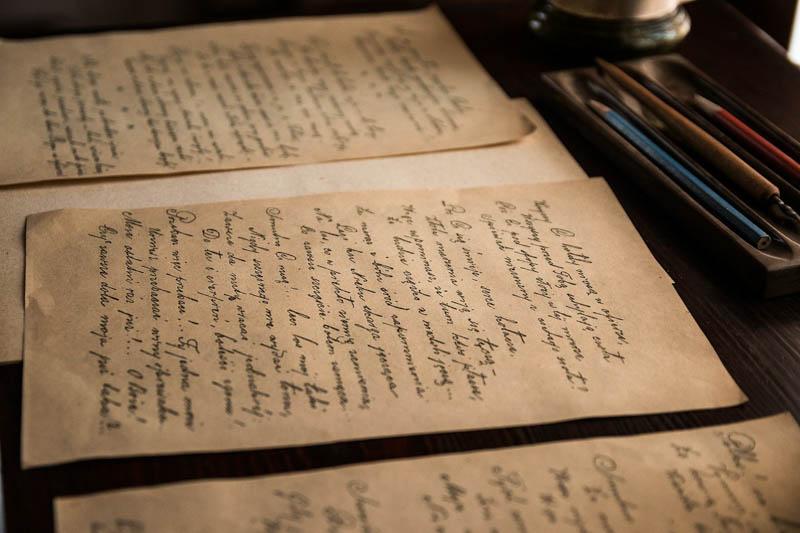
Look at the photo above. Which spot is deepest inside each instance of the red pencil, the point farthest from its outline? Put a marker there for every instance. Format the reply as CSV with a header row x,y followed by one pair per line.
x,y
749,137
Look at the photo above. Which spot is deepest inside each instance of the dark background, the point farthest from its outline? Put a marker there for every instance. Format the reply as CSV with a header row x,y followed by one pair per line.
x,y
30,18
758,341
773,16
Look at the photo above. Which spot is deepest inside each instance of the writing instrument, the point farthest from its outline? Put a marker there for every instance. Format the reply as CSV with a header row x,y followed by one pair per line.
x,y
721,208
711,128
777,136
607,97
732,166
781,210
748,136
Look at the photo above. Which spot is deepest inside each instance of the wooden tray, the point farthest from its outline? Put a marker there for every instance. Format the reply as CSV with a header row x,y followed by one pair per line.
x,y
770,272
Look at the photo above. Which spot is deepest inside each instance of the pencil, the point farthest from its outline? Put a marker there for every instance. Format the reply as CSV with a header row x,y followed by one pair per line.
x,y
732,166
605,96
748,136
770,131
700,191
700,120
711,128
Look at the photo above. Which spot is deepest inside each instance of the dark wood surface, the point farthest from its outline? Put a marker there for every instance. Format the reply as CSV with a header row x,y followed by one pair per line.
x,y
774,16
758,341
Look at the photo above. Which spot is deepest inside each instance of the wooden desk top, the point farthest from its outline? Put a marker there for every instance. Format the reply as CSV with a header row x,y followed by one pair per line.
x,y
758,341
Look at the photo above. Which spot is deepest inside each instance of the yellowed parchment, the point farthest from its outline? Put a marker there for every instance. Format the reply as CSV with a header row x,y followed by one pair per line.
x,y
241,95
738,477
538,157
320,318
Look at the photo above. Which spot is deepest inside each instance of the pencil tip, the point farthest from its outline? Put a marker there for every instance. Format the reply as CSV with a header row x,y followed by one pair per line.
x,y
705,104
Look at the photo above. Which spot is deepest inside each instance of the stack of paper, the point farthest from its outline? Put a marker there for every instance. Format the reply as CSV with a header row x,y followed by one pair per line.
x,y
424,257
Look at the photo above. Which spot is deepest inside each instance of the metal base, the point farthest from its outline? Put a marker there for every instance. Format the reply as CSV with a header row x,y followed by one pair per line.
x,y
607,36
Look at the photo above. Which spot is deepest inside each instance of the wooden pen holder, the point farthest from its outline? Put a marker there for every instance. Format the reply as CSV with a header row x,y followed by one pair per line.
x,y
770,272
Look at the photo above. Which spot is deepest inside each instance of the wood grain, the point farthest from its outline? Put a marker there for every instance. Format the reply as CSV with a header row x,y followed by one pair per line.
x,y
758,341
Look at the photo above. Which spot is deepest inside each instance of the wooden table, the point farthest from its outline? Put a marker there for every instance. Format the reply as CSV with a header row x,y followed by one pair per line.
x,y
758,341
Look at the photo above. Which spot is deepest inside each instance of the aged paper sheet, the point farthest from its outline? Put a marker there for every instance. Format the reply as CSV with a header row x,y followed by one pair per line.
x,y
287,321
738,477
538,157
240,95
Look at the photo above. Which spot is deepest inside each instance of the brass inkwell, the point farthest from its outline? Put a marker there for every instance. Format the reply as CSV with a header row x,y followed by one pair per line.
x,y
610,27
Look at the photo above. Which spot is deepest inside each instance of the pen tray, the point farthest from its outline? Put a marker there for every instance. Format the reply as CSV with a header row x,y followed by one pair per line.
x,y
770,272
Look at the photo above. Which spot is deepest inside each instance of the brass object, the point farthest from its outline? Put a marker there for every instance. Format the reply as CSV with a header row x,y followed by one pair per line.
x,y
610,27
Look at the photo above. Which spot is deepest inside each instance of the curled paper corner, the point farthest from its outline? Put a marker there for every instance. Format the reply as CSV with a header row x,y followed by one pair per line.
x,y
530,116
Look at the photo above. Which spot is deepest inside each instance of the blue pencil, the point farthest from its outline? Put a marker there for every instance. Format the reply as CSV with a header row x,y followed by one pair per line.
x,y
701,192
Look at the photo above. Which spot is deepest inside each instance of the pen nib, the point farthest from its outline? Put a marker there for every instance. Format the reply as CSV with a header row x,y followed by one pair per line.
x,y
785,210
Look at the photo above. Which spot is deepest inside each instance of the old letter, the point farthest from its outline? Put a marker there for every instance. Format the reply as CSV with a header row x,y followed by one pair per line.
x,y
537,157
312,319
739,477
244,95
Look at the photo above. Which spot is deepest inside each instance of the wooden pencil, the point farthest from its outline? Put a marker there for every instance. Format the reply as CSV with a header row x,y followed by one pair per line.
x,y
604,95
734,168
712,128
748,136
695,186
